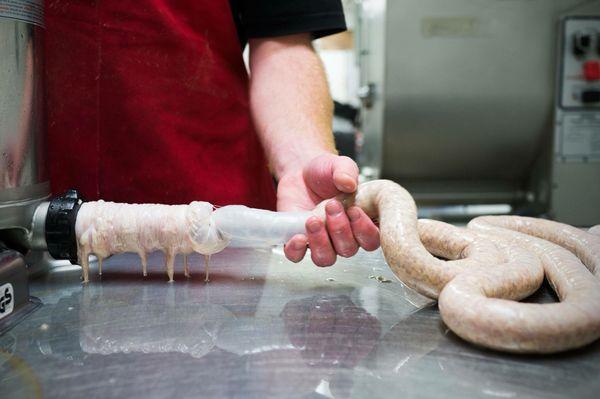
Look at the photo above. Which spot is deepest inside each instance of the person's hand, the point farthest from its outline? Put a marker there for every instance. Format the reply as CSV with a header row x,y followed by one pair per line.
x,y
326,176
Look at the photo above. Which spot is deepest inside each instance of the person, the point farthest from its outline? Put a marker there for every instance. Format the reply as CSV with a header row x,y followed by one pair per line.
x,y
151,102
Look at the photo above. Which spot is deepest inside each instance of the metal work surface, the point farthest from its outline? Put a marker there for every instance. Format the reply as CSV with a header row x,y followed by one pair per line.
x,y
262,327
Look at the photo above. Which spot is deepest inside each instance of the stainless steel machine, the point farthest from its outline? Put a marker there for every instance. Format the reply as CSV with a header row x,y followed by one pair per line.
x,y
458,104
23,178
30,224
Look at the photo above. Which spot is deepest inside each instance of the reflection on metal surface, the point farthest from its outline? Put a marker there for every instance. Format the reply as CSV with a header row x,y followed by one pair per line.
x,y
331,331
285,332
125,322
23,382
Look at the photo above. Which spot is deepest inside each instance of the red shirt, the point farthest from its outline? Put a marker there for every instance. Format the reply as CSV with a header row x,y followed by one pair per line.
x,y
148,102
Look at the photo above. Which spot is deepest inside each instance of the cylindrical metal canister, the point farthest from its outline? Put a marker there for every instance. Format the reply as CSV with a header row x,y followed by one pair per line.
x,y
23,175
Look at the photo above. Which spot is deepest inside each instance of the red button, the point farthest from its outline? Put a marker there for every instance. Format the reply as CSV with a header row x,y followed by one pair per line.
x,y
591,70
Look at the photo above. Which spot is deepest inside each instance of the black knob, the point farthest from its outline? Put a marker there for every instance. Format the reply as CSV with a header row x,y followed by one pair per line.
x,y
60,226
582,42
590,96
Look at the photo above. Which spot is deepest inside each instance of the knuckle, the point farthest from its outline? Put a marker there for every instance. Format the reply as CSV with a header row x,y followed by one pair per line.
x,y
338,231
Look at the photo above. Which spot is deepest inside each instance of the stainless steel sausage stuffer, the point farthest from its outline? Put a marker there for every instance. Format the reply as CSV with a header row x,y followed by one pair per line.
x,y
51,228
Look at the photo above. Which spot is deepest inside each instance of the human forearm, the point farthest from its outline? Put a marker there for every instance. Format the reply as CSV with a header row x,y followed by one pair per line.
x,y
292,112
290,101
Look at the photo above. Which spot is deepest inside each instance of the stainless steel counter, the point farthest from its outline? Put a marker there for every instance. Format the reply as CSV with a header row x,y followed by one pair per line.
x,y
263,327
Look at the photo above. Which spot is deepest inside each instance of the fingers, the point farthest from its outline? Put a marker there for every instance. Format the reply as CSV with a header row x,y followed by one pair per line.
x,y
340,230
321,250
342,235
364,230
295,248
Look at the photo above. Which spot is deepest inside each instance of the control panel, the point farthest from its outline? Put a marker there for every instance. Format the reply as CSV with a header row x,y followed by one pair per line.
x,y
575,171
578,106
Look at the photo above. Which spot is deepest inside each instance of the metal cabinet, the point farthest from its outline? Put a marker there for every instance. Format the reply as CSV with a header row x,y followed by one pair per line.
x,y
458,97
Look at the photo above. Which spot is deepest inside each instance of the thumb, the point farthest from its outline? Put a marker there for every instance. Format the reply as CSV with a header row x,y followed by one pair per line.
x,y
345,174
329,175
